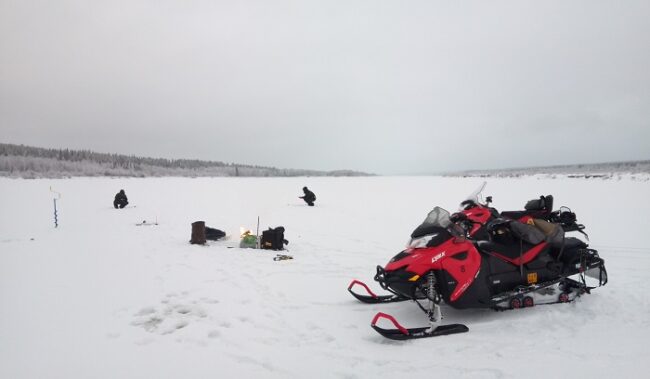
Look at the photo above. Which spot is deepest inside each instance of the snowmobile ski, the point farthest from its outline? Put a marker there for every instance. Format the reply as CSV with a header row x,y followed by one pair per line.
x,y
401,333
372,298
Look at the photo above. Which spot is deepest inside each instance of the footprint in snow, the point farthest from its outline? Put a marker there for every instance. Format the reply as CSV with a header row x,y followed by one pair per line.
x,y
149,323
144,341
146,311
175,327
172,315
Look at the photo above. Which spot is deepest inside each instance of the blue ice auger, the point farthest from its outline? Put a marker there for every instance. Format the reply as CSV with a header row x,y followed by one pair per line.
x,y
56,215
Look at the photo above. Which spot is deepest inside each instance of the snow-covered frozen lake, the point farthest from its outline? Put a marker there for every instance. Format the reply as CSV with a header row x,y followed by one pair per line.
x,y
99,297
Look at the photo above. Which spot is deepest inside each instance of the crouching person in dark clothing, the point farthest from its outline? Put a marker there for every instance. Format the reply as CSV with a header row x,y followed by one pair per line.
x,y
120,200
309,196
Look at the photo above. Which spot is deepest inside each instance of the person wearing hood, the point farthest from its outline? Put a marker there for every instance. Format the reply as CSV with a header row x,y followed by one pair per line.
x,y
309,196
120,200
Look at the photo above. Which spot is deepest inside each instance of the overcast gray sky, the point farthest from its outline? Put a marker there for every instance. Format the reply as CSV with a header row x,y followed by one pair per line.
x,y
390,87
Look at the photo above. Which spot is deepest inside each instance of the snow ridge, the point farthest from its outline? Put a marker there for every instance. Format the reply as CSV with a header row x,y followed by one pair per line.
x,y
635,170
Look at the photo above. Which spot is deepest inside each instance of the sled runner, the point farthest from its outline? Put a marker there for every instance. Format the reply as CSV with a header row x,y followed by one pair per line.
x,y
146,223
282,257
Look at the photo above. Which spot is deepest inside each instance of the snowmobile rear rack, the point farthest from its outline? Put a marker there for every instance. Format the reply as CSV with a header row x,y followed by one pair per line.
x,y
595,269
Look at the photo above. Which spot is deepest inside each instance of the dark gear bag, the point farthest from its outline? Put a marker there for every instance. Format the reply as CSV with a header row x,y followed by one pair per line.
x,y
527,233
214,234
553,232
273,239
541,204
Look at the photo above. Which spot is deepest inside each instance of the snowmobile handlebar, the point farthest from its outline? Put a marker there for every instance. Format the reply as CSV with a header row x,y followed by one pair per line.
x,y
458,216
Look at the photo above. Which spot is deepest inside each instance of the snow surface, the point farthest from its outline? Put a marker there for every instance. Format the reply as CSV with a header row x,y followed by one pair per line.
x,y
100,297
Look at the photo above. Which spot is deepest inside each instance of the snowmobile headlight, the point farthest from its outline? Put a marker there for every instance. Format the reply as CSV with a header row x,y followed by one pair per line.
x,y
401,255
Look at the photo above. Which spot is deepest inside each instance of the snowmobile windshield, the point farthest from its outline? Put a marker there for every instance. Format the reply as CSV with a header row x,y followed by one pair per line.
x,y
436,228
437,217
474,198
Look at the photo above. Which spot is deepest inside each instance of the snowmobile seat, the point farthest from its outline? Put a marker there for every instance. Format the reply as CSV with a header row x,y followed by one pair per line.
x,y
536,208
510,251
574,243
570,250
516,215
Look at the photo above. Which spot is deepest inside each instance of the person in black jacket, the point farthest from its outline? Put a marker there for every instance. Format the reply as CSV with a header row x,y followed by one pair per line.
x,y
309,196
120,200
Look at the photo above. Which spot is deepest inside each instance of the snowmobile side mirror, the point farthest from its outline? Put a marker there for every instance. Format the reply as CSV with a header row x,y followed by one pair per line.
x,y
488,200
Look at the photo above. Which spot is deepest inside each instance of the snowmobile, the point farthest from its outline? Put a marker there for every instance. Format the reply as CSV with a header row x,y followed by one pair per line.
x,y
480,258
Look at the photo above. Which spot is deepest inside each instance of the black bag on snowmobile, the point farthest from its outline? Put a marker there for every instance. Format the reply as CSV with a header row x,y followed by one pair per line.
x,y
567,220
273,239
527,233
566,217
544,203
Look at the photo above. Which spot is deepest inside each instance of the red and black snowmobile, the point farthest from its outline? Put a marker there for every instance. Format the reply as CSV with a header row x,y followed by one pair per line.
x,y
479,258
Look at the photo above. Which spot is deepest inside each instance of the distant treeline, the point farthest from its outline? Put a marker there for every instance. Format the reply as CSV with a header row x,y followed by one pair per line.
x,y
21,161
595,170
